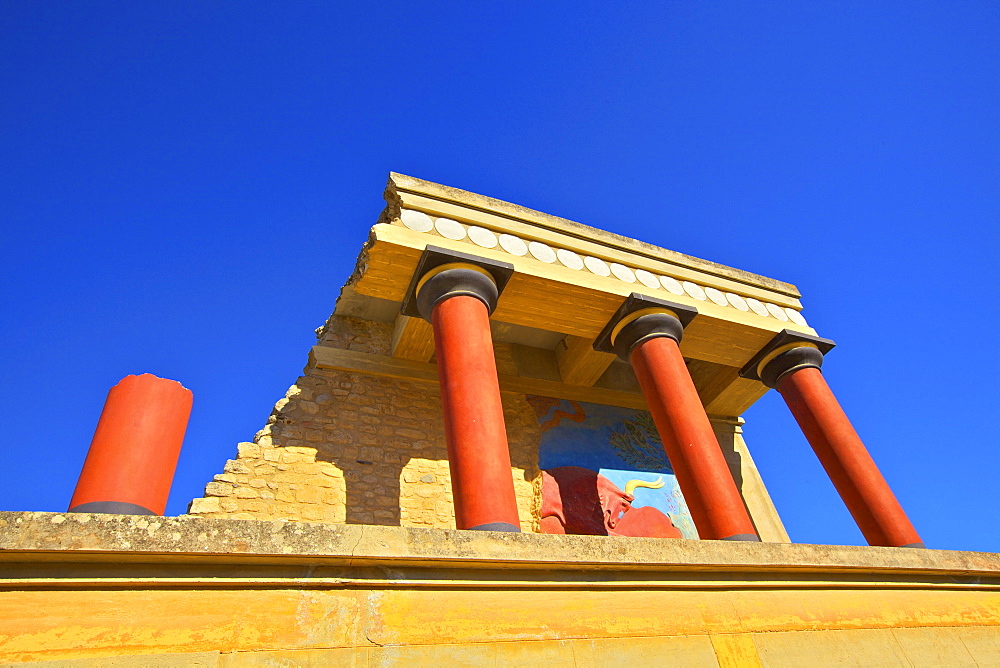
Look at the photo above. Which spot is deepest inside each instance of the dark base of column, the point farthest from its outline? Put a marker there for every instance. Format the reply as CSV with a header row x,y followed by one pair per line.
x,y
495,526
111,508
748,537
920,546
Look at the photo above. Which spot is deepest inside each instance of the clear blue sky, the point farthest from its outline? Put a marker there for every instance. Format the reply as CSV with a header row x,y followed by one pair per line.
x,y
184,186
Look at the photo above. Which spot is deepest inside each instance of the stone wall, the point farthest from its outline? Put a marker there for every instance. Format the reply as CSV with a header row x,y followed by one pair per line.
x,y
361,449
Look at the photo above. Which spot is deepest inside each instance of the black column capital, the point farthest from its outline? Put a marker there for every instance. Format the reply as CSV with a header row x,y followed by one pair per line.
x,y
787,351
639,319
443,273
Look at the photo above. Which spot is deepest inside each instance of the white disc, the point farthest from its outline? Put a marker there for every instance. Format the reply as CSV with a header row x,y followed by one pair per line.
x,y
777,312
717,296
756,306
596,266
622,273
418,221
694,290
568,258
513,245
647,278
541,252
738,302
671,285
449,229
482,237
796,317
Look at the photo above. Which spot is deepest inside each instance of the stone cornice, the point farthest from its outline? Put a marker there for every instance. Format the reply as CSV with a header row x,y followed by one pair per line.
x,y
409,192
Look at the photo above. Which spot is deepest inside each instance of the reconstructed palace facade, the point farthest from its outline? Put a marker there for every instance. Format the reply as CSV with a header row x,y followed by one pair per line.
x,y
517,440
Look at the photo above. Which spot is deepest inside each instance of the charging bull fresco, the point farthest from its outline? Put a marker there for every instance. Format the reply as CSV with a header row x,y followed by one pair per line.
x,y
604,472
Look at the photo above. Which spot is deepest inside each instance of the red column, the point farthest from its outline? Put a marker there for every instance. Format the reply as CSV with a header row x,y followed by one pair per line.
x,y
704,477
846,460
131,462
478,454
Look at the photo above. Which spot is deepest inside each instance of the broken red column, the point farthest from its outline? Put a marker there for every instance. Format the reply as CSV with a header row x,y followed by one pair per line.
x,y
131,462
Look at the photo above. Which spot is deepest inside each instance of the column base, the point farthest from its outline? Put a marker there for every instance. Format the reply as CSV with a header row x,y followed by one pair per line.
x,y
919,546
748,537
495,526
111,508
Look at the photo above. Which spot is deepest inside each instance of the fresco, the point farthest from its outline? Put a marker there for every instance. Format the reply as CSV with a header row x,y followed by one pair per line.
x,y
604,472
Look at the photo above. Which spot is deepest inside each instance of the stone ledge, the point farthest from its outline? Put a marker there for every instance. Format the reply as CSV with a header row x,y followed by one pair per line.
x,y
37,537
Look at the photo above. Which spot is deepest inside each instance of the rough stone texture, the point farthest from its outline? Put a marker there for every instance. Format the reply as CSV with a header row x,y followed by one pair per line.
x,y
27,536
349,447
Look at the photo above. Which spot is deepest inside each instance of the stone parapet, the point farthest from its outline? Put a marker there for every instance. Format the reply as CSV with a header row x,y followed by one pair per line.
x,y
30,536
100,590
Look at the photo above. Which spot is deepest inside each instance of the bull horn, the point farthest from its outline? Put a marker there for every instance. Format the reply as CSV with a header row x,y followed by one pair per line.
x,y
632,484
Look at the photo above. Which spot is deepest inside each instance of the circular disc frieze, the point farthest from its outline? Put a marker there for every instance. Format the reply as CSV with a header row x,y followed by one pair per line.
x,y
737,302
449,229
694,290
647,278
757,306
795,317
482,237
513,245
671,285
776,311
568,258
596,266
622,273
418,221
717,296
541,252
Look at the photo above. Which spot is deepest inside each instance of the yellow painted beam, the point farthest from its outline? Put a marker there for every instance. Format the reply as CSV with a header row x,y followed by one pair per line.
x,y
413,339
555,298
579,363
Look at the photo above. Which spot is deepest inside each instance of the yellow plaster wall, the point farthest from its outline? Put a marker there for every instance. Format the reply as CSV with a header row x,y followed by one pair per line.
x,y
734,627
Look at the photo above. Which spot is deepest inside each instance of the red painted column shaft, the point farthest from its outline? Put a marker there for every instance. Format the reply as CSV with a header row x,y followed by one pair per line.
x,y
846,459
131,462
478,454
708,486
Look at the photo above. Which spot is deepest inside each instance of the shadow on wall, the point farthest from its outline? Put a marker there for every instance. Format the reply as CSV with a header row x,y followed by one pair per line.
x,y
365,449
386,436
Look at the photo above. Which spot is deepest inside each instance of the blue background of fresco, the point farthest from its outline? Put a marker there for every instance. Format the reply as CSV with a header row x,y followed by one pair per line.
x,y
588,444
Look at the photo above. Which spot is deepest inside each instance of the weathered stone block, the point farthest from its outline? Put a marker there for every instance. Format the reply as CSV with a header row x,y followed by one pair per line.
x,y
206,505
236,466
215,488
248,450
308,495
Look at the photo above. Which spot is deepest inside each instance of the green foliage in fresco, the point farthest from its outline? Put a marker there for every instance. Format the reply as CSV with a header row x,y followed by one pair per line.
x,y
635,440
